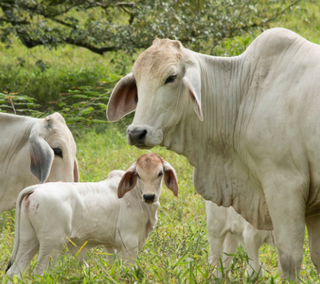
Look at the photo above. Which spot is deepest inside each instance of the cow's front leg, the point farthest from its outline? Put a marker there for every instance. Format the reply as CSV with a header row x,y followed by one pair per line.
x,y
128,249
313,226
286,205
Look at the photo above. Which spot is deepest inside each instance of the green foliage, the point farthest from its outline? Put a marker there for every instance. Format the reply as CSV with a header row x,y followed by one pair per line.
x,y
108,25
80,106
62,69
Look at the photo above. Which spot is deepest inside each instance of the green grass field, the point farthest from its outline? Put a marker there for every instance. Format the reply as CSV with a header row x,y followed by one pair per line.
x,y
177,250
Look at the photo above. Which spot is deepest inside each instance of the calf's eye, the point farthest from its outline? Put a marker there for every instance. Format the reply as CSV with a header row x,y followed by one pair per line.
x,y
57,152
160,174
170,79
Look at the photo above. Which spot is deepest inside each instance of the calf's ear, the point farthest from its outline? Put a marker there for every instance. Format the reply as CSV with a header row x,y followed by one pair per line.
x,y
41,156
124,98
192,79
170,178
128,181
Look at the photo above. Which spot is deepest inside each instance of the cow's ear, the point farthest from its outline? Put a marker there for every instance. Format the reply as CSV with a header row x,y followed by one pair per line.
x,y
41,156
124,98
193,81
170,178
76,174
128,181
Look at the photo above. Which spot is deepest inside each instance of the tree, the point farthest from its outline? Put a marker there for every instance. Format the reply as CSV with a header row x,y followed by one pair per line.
x,y
111,25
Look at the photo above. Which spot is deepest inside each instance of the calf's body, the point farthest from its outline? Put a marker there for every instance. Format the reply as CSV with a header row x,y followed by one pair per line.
x,y
226,230
51,216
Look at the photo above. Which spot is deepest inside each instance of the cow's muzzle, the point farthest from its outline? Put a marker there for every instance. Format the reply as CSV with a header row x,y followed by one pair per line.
x,y
149,198
137,137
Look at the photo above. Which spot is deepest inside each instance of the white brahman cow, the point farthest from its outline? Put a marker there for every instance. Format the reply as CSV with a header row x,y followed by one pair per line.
x,y
48,216
34,151
226,230
249,125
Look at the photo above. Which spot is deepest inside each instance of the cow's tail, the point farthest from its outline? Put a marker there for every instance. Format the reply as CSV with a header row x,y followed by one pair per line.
x,y
25,193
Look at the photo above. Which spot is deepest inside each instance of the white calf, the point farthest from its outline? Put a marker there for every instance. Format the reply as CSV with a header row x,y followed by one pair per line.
x,y
226,229
48,216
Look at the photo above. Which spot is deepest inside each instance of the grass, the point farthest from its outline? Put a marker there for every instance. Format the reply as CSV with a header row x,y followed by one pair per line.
x,y
176,251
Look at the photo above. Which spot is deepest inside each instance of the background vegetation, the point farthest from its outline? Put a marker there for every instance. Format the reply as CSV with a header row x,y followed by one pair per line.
x,y
77,83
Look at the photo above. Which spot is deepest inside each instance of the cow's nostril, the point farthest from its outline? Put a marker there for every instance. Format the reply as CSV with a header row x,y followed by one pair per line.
x,y
149,197
142,136
137,137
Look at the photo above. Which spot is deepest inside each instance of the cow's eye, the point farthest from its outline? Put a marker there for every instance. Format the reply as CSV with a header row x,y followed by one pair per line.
x,y
160,174
57,152
137,175
170,79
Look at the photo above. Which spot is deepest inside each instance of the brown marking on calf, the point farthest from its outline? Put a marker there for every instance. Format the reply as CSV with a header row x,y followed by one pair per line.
x,y
26,202
148,161
35,208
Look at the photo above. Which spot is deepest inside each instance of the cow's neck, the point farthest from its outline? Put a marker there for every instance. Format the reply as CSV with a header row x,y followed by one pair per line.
x,y
150,212
210,145
222,83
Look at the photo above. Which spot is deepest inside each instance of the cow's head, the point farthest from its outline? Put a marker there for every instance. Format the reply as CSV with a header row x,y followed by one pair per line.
x,y
164,86
53,151
147,173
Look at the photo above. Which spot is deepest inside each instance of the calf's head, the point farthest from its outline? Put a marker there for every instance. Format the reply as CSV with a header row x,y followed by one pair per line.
x,y
53,151
164,86
147,174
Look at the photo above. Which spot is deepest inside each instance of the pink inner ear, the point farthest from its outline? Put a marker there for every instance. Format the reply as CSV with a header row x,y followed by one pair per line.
x,y
171,182
196,105
123,99
127,183
75,171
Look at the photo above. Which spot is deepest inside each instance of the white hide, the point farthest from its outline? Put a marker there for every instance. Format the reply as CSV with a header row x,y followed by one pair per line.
x,y
27,156
51,216
226,230
257,148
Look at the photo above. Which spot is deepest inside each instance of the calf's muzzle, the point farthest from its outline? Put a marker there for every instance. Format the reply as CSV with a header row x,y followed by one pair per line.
x,y
149,197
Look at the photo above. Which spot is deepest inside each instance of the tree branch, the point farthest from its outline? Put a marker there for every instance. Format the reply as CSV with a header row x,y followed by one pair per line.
x,y
30,43
282,12
14,22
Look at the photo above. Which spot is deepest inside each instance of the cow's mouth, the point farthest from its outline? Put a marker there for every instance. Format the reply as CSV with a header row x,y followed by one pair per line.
x,y
143,147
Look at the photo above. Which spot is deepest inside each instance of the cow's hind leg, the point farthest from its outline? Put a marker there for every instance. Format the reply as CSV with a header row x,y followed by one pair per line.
x,y
27,247
49,251
313,227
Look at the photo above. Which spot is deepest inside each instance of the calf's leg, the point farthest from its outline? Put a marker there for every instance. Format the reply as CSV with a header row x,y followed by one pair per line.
x,y
48,253
26,246
252,243
230,246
